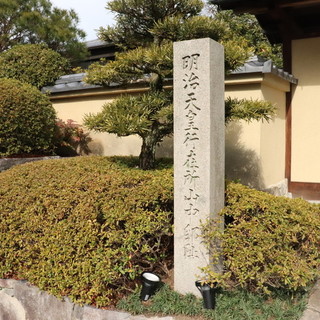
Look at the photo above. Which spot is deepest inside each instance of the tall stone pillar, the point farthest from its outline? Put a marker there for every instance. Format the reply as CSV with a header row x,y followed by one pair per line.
x,y
199,144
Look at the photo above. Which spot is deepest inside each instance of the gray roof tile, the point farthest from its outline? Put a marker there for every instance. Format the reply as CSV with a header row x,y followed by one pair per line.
x,y
74,82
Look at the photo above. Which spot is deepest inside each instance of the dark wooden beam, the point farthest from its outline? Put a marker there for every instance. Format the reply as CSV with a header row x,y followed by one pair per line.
x,y
305,190
287,24
287,66
250,9
298,4
263,7
253,7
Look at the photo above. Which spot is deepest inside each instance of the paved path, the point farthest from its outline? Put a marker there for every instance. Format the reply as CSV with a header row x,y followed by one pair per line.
x,y
313,308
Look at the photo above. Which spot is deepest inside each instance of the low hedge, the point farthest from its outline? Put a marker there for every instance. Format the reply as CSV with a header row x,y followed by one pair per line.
x,y
84,227
269,242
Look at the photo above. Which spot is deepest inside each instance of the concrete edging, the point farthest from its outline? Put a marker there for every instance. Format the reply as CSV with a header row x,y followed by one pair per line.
x,y
312,311
7,163
20,300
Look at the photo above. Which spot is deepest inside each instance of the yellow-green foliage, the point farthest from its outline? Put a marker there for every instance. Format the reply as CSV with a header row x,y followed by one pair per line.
x,y
269,242
84,227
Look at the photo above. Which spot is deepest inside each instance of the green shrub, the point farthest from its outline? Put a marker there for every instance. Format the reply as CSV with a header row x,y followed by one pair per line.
x,y
85,227
28,119
32,63
269,242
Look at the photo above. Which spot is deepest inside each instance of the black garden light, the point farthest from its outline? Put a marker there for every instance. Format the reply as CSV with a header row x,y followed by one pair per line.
x,y
150,283
208,294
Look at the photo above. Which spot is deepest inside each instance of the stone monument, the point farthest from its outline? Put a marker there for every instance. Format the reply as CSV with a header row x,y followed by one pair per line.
x,y
199,146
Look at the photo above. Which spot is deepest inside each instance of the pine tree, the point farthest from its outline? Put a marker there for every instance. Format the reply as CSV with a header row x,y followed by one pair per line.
x,y
145,31
37,21
247,26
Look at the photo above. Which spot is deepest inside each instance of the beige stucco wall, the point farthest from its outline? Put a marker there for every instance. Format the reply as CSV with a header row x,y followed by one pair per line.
x,y
107,144
243,140
273,137
254,151
306,111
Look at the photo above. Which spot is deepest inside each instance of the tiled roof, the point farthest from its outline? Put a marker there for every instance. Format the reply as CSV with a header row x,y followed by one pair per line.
x,y
97,43
74,82
70,82
257,65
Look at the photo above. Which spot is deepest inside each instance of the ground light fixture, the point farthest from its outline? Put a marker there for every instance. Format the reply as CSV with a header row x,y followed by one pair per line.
x,y
208,294
150,283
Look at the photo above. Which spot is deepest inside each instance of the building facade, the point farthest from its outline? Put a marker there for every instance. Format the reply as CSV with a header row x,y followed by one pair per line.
x,y
296,25
255,152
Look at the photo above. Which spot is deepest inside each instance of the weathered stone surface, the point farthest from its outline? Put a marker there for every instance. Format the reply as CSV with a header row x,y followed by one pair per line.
x,y
77,312
314,299
31,296
279,189
152,318
11,308
97,314
21,301
199,148
7,163
7,283
310,315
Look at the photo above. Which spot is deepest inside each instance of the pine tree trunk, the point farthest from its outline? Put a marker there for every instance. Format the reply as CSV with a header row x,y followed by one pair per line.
x,y
148,152
147,156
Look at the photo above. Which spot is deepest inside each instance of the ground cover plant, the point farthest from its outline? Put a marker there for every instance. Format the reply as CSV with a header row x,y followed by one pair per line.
x,y
237,304
84,227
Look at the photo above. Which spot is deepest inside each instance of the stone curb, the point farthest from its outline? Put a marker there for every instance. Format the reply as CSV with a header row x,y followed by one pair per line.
x,y
312,311
7,163
21,301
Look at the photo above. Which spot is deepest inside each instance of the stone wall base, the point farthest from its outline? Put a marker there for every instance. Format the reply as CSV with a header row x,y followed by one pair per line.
x,y
7,163
279,189
21,301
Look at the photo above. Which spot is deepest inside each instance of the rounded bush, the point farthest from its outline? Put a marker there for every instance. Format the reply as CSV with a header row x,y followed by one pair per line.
x,y
35,64
84,227
28,121
269,242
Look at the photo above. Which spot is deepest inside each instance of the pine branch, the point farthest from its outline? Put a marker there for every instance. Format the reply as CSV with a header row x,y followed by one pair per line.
x,y
132,114
133,65
248,110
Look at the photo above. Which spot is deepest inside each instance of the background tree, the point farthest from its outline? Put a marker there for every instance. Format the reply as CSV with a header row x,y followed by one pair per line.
x,y
35,64
247,26
37,21
27,121
145,30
